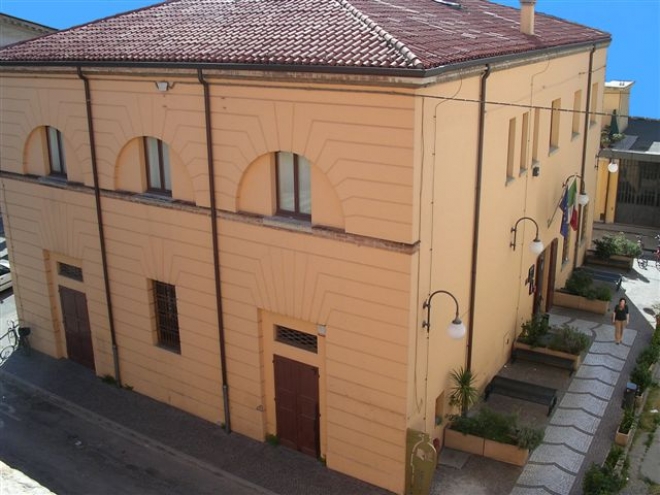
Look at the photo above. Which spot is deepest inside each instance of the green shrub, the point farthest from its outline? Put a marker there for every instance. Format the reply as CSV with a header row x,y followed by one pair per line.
x,y
626,421
602,480
569,339
617,244
579,283
533,330
529,438
642,377
649,356
498,427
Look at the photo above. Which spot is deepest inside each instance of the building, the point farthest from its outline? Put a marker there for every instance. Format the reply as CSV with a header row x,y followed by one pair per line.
x,y
259,208
632,194
13,29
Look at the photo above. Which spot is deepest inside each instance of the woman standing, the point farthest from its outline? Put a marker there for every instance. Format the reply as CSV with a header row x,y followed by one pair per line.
x,y
620,318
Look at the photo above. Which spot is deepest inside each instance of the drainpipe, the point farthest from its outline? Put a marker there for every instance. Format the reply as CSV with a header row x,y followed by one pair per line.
x,y
477,213
216,249
584,150
99,220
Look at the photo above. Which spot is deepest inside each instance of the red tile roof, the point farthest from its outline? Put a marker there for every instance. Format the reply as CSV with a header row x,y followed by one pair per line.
x,y
402,34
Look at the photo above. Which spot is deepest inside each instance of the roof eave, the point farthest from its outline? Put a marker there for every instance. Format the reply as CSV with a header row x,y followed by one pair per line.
x,y
327,69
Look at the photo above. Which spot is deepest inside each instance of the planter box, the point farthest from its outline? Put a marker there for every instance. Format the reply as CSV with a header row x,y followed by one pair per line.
x,y
614,261
576,358
567,300
503,452
465,443
623,438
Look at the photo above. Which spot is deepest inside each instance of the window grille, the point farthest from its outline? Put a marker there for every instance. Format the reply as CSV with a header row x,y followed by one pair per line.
x,y
70,271
297,339
167,320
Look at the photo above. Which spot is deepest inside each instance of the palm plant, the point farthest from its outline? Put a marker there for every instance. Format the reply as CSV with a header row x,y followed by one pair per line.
x,y
464,394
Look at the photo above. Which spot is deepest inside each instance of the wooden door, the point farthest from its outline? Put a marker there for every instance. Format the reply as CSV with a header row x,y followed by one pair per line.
x,y
76,327
546,267
297,405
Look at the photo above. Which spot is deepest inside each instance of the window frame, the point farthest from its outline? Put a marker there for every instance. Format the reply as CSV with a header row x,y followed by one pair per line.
x,y
296,213
160,188
511,150
61,172
166,316
524,143
555,114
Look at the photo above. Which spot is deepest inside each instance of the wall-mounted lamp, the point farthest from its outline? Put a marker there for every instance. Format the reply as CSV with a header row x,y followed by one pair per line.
x,y
536,247
583,197
163,86
456,328
613,166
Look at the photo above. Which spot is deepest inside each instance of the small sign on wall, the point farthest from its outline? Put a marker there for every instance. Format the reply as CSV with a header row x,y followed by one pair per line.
x,y
530,282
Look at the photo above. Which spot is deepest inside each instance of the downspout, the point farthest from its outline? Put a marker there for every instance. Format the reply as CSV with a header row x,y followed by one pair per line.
x,y
584,150
99,220
216,249
477,213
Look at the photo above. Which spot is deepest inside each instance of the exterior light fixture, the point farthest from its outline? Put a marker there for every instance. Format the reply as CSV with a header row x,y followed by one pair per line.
x,y
456,329
163,86
613,167
536,247
583,197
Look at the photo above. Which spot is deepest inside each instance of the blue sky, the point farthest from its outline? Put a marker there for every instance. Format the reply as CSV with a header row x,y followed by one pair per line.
x,y
634,24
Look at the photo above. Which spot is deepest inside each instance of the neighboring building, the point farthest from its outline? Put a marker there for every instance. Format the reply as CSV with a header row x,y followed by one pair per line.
x,y
278,238
13,29
634,192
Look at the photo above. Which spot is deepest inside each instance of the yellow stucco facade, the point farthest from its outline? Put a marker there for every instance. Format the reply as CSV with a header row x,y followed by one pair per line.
x,y
408,197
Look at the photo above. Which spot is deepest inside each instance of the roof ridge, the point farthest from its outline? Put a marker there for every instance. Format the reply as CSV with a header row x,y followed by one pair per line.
x,y
395,43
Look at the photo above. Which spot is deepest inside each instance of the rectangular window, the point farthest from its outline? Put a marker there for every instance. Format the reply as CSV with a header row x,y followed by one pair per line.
x,y
70,271
524,142
167,319
535,136
511,149
577,104
56,157
554,124
294,198
593,105
157,158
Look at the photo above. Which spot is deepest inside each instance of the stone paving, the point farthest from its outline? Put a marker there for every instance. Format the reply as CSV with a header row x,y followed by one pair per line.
x,y
554,466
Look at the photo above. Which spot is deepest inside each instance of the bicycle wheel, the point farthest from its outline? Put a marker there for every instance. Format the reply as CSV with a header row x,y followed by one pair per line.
x,y
5,353
12,338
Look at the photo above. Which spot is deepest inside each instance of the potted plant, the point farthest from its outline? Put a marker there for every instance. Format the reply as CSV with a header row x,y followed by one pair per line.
x,y
614,250
642,377
581,293
625,431
493,435
534,330
463,394
564,341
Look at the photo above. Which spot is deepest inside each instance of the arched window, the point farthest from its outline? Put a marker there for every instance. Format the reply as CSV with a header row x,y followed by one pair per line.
x,y
157,162
294,196
55,145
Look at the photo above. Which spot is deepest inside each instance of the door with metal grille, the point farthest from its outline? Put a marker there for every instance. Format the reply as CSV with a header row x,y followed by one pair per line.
x,y
638,194
76,327
297,405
